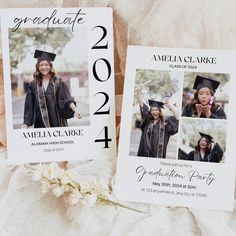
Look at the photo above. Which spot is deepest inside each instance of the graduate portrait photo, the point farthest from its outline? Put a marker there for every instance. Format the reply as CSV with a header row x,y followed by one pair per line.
x,y
202,140
49,77
205,95
156,109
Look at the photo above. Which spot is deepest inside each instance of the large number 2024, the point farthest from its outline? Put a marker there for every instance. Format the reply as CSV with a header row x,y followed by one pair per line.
x,y
102,44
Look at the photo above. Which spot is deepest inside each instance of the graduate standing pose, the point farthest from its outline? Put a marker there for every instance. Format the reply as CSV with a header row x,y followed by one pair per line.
x,y
156,130
204,151
48,102
203,104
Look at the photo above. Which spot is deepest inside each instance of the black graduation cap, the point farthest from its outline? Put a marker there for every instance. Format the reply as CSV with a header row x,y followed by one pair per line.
x,y
201,82
43,55
207,136
156,103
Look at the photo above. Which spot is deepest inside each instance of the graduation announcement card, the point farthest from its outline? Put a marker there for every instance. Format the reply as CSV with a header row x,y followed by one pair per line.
x,y
177,128
59,83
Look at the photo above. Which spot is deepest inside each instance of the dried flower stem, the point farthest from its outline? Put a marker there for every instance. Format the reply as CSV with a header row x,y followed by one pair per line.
x,y
62,181
115,204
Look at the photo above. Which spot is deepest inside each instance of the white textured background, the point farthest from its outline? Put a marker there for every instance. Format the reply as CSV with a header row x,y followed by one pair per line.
x,y
164,23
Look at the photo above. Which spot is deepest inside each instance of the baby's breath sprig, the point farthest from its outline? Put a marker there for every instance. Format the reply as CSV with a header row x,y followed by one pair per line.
x,y
60,181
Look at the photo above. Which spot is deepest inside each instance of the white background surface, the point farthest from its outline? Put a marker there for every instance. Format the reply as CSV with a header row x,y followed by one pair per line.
x,y
184,23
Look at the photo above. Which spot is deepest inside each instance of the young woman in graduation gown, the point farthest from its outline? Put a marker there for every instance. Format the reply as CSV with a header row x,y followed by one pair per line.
x,y
156,130
203,104
48,102
204,151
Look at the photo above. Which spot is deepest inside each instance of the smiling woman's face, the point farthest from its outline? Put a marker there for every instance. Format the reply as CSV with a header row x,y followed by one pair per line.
x,y
204,96
203,143
44,67
155,112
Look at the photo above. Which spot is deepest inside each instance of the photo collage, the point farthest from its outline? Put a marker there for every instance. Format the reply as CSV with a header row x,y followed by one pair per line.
x,y
180,115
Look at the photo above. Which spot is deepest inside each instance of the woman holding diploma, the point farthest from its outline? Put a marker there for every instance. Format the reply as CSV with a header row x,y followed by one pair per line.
x,y
48,102
156,130
203,104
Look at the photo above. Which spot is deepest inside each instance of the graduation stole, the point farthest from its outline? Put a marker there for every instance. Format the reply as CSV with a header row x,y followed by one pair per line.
x,y
160,144
197,156
43,105
160,141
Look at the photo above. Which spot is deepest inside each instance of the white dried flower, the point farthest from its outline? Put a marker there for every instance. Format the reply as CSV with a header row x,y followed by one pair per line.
x,y
52,171
37,175
69,176
67,188
45,186
74,197
89,199
60,181
58,191
37,172
65,178
73,175
94,186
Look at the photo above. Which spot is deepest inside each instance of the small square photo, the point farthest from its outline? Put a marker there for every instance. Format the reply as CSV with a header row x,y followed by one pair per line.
x,y
202,140
205,95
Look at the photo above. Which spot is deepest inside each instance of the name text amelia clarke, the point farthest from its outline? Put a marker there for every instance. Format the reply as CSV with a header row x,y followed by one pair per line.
x,y
54,133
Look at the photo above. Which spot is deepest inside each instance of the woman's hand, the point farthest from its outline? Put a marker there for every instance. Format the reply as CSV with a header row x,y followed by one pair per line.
x,y
171,108
138,90
199,108
77,114
207,110
24,126
75,110
167,104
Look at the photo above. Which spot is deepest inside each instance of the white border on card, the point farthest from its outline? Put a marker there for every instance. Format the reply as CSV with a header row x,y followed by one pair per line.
x,y
177,182
92,139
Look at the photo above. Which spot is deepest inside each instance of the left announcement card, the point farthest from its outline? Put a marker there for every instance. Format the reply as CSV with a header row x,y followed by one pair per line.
x,y
59,84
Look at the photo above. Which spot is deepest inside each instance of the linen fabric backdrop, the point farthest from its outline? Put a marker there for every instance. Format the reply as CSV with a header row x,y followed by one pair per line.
x,y
25,211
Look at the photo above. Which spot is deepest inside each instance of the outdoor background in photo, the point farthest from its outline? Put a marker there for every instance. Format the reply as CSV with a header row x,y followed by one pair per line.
x,y
156,85
189,134
71,64
221,94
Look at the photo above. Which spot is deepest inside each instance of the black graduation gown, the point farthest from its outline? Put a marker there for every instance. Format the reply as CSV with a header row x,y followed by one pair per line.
x,y
218,113
171,128
215,155
54,102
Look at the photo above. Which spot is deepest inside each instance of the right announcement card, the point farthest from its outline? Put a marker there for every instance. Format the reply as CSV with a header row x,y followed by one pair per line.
x,y
177,128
